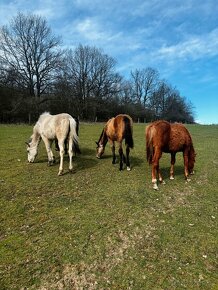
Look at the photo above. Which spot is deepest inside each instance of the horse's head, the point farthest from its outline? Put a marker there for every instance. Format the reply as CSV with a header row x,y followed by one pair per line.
x,y
31,152
100,150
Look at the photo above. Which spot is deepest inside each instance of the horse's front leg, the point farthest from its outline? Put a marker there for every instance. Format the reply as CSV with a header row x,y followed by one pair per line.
x,y
186,172
173,160
48,144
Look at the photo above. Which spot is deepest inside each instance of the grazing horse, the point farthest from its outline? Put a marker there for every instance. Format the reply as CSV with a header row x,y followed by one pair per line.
x,y
50,127
117,129
161,136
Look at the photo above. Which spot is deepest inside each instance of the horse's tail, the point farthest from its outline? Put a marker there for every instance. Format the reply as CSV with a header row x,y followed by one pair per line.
x,y
149,143
74,124
128,132
192,153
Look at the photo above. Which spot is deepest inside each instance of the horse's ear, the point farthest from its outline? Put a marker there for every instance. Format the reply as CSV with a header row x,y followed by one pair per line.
x,y
96,142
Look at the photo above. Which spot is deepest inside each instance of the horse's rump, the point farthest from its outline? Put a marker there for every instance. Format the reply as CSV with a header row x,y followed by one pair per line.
x,y
119,128
157,135
150,130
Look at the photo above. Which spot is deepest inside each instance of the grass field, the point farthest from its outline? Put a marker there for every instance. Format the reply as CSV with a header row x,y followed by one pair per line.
x,y
100,228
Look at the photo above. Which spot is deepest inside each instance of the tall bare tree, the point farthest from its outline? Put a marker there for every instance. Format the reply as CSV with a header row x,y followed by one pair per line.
x,y
91,74
28,48
143,83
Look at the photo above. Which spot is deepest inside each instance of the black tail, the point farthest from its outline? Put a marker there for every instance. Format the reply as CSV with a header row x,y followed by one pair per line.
x,y
128,132
75,143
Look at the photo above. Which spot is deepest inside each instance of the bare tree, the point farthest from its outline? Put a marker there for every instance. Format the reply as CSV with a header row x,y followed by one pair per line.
x,y
143,83
28,48
158,99
91,74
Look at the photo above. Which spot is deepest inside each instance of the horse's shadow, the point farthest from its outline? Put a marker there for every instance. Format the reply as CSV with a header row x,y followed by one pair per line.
x,y
134,161
87,159
80,161
178,171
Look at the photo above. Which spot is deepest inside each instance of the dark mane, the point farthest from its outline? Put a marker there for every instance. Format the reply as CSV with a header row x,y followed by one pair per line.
x,y
103,138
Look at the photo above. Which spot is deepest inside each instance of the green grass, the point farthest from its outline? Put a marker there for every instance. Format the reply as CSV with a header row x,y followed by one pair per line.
x,y
99,228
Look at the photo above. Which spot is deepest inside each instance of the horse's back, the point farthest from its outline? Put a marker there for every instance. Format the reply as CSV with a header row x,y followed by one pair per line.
x,y
179,137
55,126
116,126
158,133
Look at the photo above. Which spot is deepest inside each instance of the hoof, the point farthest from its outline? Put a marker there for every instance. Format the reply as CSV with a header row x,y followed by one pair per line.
x,y
172,178
163,182
188,180
60,173
155,187
128,168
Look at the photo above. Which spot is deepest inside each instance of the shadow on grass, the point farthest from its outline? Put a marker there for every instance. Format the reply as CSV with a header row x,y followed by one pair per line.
x,y
178,171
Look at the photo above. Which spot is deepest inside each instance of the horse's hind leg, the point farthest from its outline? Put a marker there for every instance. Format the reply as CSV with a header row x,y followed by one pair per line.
x,y
127,158
121,156
173,160
57,146
113,152
155,168
70,152
61,148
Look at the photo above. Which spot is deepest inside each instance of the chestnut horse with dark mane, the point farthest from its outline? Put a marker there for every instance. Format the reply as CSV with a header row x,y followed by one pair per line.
x,y
117,129
161,136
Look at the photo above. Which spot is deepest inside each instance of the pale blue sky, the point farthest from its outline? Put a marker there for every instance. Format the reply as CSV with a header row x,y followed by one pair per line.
x,y
178,38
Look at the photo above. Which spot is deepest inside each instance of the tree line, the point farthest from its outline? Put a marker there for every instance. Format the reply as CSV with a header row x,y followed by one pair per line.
x,y
36,75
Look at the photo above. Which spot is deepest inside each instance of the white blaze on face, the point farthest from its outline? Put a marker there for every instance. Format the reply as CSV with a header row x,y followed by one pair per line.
x,y
100,151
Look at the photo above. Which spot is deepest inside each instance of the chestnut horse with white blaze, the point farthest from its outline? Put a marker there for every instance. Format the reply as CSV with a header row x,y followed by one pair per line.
x,y
162,136
117,129
49,128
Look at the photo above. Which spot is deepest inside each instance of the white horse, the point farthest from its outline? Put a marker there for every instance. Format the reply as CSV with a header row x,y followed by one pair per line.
x,y
50,127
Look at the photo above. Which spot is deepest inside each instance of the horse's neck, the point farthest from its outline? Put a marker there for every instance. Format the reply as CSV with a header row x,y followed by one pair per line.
x,y
103,140
36,137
